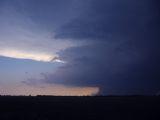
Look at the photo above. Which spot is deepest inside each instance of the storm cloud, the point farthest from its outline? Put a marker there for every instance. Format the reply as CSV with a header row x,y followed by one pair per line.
x,y
121,55
106,46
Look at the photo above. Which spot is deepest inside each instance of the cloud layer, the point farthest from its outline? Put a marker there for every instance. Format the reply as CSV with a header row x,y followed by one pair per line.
x,y
21,37
107,45
123,52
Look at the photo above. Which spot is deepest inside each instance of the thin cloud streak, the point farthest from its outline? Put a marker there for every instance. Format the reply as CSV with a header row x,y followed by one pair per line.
x,y
26,55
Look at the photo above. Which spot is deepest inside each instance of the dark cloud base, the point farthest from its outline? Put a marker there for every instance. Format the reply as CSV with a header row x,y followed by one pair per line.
x,y
124,55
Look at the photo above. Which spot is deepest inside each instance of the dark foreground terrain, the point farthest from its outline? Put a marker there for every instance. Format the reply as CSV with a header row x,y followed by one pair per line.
x,y
73,108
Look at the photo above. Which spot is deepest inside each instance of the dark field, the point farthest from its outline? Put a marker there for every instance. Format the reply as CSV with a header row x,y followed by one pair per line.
x,y
89,108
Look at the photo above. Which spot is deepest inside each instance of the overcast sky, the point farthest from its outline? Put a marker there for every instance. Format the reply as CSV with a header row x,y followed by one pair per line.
x,y
79,47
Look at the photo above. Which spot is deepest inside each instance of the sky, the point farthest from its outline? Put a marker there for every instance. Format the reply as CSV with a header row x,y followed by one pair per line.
x,y
79,47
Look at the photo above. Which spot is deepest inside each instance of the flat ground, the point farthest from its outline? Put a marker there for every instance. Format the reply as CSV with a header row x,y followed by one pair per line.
x,y
73,108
